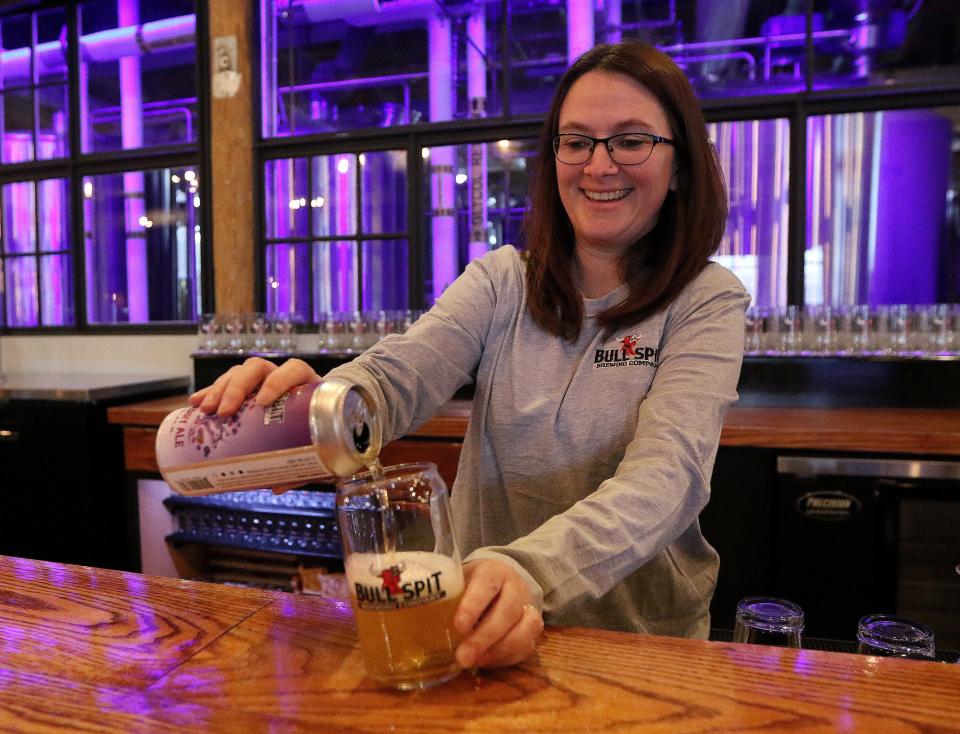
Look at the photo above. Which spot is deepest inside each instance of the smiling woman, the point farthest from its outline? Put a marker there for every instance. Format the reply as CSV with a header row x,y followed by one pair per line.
x,y
604,359
611,205
598,213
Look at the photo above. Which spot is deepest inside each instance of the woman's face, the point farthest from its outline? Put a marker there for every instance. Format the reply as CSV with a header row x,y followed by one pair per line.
x,y
612,206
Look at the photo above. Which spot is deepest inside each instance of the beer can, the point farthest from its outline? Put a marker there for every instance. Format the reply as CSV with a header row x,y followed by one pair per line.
x,y
314,432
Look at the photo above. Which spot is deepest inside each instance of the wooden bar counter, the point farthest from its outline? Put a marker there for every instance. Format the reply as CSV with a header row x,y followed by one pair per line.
x,y
87,649
920,431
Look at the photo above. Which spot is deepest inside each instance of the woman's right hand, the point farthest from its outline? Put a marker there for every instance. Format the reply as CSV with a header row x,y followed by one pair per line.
x,y
227,393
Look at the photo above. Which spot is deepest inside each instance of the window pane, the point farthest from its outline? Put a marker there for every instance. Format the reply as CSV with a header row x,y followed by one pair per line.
x,y
878,231
337,65
287,200
477,196
52,123
333,198
734,47
51,45
54,215
142,246
22,231
889,44
538,53
19,212
755,156
288,279
384,191
18,56
21,287
140,88
56,285
335,265
18,126
385,274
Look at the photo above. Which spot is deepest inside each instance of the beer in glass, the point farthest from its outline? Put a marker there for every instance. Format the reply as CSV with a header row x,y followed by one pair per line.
x,y
404,572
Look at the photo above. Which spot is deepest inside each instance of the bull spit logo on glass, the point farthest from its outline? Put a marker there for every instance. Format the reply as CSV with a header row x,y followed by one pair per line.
x,y
410,579
628,351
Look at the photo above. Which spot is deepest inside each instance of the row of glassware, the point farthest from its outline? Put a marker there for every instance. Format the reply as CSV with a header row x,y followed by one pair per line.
x,y
338,332
780,622
859,330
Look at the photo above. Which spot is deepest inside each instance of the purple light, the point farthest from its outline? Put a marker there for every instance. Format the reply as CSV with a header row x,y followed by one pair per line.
x,y
345,255
913,179
131,125
168,35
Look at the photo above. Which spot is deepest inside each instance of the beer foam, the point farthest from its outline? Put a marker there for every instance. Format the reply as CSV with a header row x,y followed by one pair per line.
x,y
365,569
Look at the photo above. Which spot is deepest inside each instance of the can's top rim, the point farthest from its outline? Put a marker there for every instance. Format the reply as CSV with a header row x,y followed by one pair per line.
x,y
338,410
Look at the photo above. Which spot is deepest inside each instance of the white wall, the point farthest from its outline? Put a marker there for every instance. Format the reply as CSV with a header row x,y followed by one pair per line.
x,y
165,355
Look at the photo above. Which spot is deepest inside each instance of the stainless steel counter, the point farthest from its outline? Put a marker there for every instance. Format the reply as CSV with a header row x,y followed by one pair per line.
x,y
85,387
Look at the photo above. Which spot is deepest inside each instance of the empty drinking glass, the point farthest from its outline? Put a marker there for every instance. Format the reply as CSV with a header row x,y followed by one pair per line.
x,y
894,332
234,327
363,328
261,332
336,332
790,330
210,333
935,328
890,636
285,330
764,620
753,330
824,329
859,327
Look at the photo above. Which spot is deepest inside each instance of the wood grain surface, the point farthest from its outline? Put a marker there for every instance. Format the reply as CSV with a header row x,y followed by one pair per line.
x,y
88,650
894,430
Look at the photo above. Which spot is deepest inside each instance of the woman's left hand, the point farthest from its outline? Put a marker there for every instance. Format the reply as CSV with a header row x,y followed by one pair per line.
x,y
497,617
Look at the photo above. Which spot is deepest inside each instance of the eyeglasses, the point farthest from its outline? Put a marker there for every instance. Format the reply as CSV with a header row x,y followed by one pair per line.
x,y
625,149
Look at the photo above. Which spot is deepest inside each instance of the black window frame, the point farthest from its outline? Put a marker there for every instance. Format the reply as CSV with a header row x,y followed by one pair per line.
x,y
77,165
796,108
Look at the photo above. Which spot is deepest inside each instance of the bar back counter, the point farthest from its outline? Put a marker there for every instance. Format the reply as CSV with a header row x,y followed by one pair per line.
x,y
837,485
61,465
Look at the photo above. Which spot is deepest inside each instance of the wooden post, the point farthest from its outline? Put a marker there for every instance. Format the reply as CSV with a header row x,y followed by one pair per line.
x,y
231,153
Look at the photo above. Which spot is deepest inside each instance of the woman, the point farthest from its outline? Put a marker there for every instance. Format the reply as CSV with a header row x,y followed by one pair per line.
x,y
604,359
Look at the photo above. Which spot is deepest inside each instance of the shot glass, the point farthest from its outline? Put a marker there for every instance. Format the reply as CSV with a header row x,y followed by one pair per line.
x,y
886,635
763,620
404,572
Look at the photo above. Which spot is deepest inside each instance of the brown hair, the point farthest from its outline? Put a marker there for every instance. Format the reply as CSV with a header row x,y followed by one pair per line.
x,y
690,224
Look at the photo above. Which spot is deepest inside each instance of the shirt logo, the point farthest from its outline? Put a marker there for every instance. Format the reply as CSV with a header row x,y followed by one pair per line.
x,y
626,351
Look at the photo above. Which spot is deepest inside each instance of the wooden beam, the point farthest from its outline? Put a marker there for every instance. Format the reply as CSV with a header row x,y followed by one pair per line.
x,y
231,147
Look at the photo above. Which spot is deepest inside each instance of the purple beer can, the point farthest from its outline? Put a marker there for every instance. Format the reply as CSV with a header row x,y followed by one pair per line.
x,y
313,432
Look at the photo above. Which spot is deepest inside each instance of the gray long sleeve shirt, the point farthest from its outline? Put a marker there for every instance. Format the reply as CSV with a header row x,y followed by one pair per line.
x,y
585,465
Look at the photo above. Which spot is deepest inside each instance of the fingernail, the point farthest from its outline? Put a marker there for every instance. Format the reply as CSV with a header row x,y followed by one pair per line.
x,y
464,658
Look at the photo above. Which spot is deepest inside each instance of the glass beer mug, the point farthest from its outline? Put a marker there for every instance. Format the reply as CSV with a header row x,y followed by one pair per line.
x,y
404,572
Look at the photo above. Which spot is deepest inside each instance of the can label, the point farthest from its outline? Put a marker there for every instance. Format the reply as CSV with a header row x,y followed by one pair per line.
x,y
256,447
243,472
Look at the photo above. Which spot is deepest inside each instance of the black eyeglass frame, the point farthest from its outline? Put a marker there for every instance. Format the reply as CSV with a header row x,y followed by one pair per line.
x,y
655,139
